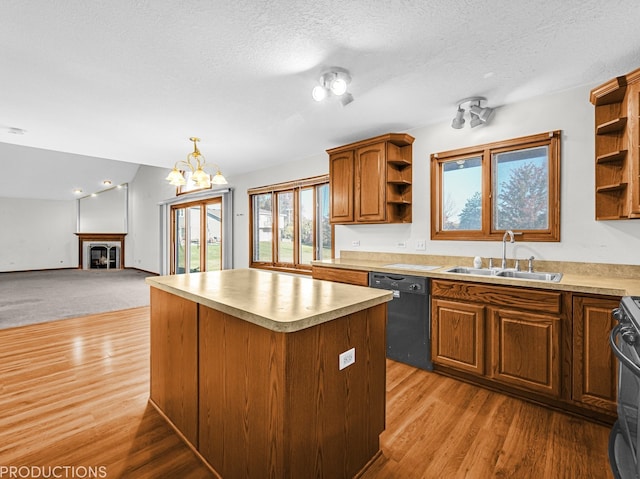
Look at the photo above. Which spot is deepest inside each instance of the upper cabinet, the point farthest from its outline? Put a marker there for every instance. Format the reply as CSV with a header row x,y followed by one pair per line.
x,y
370,180
617,150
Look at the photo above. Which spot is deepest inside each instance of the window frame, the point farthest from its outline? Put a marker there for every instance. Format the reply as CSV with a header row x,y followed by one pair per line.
x,y
202,218
295,187
550,139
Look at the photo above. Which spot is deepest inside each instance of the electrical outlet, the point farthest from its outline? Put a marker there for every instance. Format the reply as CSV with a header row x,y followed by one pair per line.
x,y
421,245
355,243
347,358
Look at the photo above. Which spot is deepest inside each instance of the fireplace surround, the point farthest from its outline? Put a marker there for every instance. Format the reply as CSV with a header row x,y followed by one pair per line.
x,y
101,250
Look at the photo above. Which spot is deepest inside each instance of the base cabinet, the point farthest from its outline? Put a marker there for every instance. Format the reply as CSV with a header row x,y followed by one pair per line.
x,y
510,336
458,335
546,346
594,366
525,350
340,275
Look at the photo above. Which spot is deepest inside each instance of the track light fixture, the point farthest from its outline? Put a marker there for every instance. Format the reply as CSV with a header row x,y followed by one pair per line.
x,y
479,115
333,82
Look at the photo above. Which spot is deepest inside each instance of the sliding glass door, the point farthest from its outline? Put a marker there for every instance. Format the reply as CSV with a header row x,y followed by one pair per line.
x,y
196,237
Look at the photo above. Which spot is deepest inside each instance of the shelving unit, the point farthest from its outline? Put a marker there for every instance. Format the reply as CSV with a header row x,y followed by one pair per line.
x,y
617,155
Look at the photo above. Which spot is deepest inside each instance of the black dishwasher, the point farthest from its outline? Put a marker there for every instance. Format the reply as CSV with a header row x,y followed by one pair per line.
x,y
408,324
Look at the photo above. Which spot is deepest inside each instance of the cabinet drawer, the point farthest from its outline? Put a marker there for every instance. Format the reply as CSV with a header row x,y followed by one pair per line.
x,y
340,275
513,297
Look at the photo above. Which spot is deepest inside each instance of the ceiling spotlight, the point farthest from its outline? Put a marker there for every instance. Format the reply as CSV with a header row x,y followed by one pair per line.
x,y
482,113
106,182
195,162
319,93
346,99
333,82
478,115
458,121
475,120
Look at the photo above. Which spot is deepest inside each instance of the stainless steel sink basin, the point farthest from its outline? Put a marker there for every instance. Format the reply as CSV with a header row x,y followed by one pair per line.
x,y
465,270
535,276
507,273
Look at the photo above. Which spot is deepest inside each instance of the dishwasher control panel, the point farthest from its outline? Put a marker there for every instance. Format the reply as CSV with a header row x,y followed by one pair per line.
x,y
401,283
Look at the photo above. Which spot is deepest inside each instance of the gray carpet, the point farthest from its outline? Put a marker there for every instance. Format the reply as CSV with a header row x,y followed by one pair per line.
x,y
41,296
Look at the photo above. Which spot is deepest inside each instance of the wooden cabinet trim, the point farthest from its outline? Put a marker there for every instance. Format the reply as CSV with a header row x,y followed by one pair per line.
x,y
339,275
508,296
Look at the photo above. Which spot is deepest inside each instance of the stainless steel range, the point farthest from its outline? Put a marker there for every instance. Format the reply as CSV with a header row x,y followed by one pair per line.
x,y
625,342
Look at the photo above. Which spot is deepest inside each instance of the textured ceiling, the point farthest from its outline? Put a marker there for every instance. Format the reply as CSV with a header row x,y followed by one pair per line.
x,y
132,80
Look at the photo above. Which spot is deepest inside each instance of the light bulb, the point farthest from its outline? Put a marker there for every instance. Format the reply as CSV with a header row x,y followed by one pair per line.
x,y
339,86
319,93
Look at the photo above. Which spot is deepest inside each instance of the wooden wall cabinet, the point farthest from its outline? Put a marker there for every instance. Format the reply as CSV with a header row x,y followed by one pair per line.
x,y
617,150
594,365
370,180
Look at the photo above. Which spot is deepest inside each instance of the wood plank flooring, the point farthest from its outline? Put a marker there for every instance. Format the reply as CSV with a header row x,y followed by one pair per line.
x,y
74,393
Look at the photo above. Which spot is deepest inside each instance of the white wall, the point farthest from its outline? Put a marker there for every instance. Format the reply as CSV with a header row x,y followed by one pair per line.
x,y
142,244
582,238
27,224
37,234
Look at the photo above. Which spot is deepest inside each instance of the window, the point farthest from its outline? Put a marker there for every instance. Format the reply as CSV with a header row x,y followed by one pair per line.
x,y
290,224
478,193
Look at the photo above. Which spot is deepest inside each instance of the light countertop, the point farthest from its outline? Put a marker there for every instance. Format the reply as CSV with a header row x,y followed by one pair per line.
x,y
276,301
596,278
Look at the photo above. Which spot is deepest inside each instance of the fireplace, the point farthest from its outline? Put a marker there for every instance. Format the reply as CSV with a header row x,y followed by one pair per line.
x,y
100,251
103,256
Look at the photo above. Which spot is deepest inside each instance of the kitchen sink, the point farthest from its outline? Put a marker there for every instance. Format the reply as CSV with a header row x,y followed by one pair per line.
x,y
507,273
465,270
553,277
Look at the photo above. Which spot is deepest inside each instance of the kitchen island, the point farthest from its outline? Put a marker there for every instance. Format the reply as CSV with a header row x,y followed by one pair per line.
x,y
248,367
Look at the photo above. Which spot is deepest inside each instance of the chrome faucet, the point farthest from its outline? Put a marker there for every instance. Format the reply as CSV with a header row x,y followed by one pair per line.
x,y
508,233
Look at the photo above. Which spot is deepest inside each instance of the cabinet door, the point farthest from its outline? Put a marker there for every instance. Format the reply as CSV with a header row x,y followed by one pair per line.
x,y
341,186
594,365
458,335
525,350
370,183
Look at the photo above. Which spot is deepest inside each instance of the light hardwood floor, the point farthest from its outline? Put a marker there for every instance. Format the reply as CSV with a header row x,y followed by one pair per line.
x,y
74,393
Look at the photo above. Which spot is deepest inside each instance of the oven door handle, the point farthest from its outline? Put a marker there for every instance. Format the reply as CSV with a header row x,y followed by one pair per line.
x,y
635,369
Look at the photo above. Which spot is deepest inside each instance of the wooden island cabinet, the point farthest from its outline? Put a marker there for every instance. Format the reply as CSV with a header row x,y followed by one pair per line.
x,y
247,366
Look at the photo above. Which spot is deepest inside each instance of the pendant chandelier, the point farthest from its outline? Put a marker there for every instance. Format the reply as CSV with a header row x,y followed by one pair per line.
x,y
195,162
